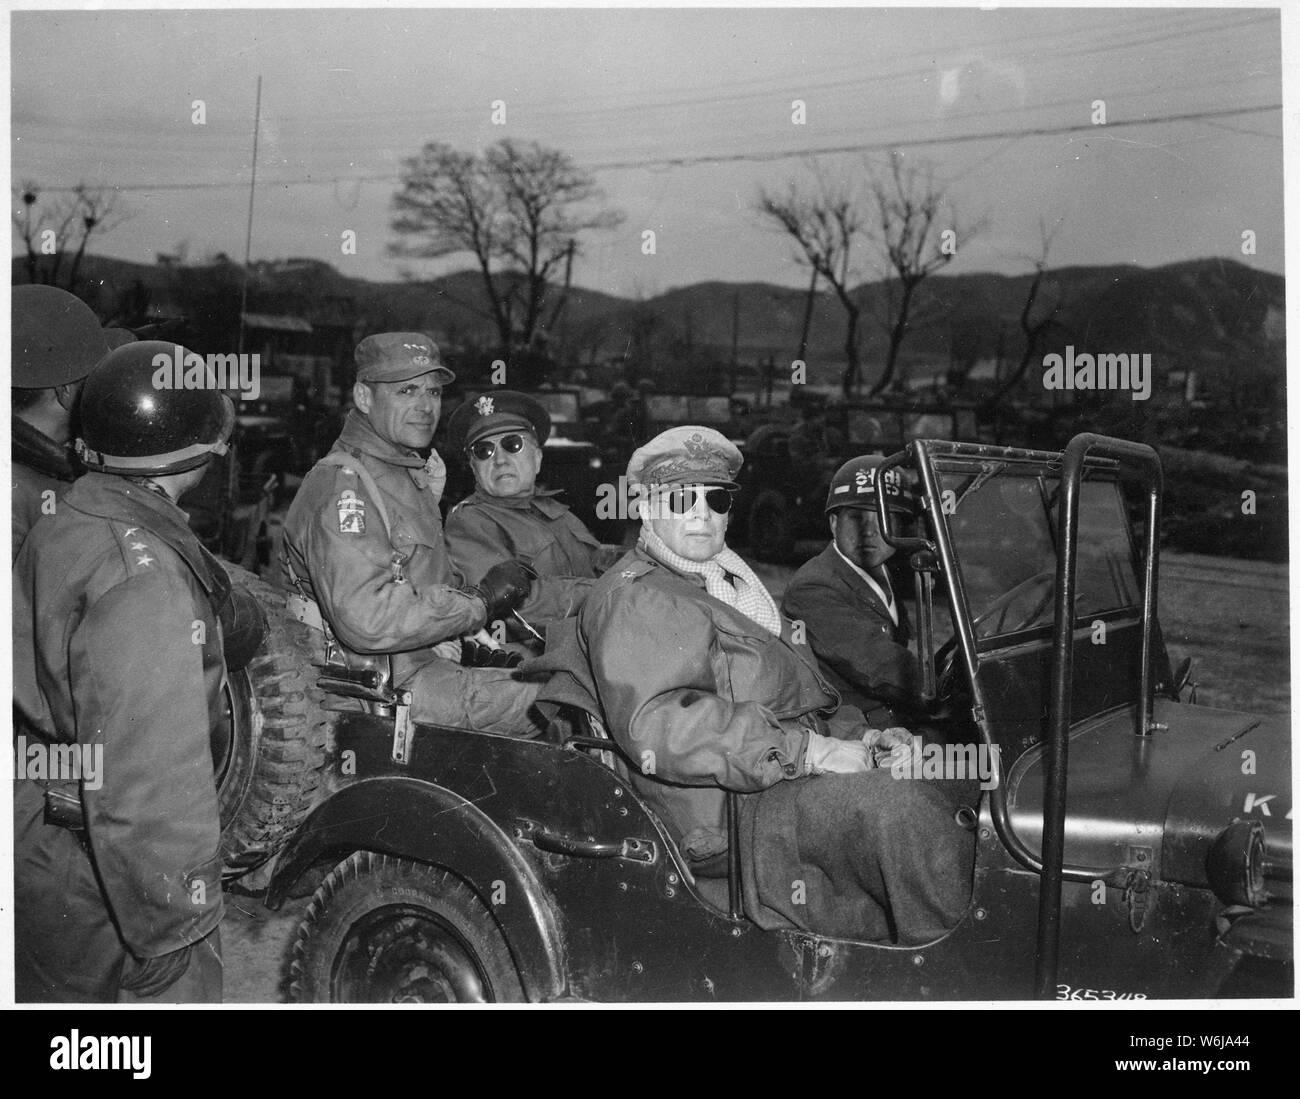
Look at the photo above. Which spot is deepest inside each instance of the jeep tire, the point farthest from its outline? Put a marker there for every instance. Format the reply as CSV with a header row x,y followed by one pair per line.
x,y
386,930
269,752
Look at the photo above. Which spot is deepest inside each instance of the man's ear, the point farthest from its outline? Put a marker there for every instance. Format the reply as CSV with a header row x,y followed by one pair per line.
x,y
66,394
361,396
834,518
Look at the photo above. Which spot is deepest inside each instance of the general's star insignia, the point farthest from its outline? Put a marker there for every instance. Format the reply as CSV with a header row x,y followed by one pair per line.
x,y
627,574
129,531
144,561
138,546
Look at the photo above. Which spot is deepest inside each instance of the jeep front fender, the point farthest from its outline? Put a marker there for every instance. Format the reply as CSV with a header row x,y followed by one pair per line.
x,y
411,819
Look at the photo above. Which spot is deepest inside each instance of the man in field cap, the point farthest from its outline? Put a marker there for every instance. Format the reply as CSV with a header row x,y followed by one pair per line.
x,y
501,434
706,689
56,339
365,553
844,596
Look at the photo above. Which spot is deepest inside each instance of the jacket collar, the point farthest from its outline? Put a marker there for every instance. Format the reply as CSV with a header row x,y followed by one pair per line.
x,y
358,436
124,502
542,500
36,450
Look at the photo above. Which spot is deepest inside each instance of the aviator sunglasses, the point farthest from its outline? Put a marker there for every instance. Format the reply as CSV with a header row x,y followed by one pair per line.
x,y
681,500
485,448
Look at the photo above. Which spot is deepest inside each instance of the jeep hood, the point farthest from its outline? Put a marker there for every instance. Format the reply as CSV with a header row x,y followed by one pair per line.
x,y
1172,792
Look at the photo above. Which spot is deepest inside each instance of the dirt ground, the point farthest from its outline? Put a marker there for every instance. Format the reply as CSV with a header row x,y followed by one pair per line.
x,y
1231,617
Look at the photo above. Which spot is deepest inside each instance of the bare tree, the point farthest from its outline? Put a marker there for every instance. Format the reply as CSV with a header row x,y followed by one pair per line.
x,y
824,223
54,228
1037,317
518,209
917,233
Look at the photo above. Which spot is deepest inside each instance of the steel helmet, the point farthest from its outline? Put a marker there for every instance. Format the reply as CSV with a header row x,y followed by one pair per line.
x,y
134,422
55,340
854,485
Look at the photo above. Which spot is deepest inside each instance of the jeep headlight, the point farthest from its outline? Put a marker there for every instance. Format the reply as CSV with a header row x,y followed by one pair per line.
x,y
1235,864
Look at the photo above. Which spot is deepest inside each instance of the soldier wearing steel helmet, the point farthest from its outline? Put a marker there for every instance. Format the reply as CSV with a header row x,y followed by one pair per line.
x,y
56,339
365,555
854,622
118,656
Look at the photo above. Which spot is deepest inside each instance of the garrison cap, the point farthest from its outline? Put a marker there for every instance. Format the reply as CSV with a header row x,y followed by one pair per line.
x,y
686,456
56,338
494,412
398,357
854,485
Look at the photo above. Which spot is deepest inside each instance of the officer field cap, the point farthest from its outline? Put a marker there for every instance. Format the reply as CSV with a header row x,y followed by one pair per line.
x,y
854,486
398,357
56,338
494,412
686,456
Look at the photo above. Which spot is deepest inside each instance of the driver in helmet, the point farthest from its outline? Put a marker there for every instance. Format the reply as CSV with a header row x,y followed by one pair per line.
x,y
854,622
118,673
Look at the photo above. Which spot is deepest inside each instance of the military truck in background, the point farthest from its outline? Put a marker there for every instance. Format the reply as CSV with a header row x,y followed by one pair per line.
x,y
783,486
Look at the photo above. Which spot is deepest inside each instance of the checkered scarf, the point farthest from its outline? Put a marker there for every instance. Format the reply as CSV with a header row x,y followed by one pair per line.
x,y
744,591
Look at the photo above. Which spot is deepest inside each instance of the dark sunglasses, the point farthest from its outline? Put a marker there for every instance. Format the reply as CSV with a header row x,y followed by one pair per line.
x,y
681,500
485,448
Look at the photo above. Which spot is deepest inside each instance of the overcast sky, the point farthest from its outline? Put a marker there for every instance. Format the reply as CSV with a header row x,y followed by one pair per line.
x,y
105,97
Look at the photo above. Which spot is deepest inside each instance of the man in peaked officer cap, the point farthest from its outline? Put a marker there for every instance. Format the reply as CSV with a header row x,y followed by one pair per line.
x,y
507,516
706,689
854,623
365,553
118,673
56,339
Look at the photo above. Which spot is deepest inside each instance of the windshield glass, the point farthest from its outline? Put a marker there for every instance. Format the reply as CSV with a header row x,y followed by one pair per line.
x,y
1004,532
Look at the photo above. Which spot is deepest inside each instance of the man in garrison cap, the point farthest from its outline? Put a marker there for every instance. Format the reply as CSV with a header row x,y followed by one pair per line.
x,y
855,624
56,339
507,516
365,554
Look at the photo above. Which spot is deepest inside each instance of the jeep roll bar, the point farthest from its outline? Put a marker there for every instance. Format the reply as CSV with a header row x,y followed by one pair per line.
x,y
1138,462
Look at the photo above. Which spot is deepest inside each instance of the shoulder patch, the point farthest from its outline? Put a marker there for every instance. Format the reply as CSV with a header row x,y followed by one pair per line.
x,y
351,512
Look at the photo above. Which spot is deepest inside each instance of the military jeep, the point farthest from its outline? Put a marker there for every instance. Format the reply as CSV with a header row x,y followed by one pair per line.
x,y
1122,849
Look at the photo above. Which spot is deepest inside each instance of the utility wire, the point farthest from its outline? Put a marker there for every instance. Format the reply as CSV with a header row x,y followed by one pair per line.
x,y
730,158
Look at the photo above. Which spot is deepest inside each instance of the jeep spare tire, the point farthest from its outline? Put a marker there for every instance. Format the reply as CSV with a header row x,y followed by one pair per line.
x,y
269,750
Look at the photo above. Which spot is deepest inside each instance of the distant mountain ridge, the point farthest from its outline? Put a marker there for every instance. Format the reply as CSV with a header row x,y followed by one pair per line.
x,y
1212,315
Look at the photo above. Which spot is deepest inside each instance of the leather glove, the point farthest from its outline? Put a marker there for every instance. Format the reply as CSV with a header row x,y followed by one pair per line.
x,y
887,745
503,587
154,976
841,757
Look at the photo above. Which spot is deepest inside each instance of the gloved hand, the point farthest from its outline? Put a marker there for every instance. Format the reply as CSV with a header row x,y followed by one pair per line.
x,y
504,586
154,976
887,745
842,757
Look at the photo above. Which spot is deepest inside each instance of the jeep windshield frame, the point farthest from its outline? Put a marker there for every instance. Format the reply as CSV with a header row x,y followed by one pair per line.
x,y
1087,457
